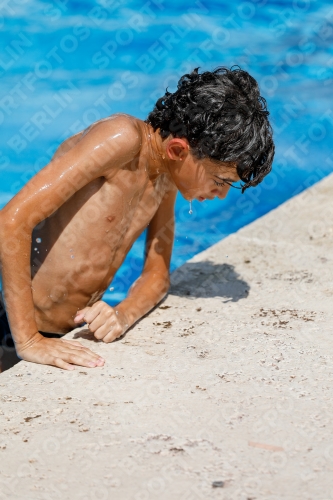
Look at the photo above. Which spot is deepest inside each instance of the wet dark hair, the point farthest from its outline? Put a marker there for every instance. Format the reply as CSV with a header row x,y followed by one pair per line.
x,y
224,118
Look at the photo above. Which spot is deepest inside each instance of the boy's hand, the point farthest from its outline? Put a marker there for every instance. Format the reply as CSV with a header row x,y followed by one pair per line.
x,y
103,321
57,352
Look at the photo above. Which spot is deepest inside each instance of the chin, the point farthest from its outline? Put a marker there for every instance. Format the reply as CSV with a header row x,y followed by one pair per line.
x,y
187,196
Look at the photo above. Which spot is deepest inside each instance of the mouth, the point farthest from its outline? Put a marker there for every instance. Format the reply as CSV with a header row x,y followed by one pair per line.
x,y
204,198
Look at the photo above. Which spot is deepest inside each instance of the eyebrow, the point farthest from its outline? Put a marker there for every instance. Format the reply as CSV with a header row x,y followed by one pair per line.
x,y
224,179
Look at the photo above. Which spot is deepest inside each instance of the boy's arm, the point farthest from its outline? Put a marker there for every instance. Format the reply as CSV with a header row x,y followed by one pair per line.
x,y
153,284
109,323
106,148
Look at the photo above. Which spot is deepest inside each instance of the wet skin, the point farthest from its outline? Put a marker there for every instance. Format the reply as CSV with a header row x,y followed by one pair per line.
x,y
65,234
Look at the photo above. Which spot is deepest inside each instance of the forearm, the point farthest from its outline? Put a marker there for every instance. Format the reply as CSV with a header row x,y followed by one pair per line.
x,y
15,248
147,291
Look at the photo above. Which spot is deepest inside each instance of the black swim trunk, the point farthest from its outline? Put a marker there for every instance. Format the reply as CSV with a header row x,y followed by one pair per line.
x,y
8,356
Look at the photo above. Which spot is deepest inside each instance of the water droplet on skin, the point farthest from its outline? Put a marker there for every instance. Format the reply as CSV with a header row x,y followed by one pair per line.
x,y
72,256
117,312
71,250
38,240
111,288
190,211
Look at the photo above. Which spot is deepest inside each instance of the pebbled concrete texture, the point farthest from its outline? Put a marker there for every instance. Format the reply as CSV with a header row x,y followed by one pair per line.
x,y
223,391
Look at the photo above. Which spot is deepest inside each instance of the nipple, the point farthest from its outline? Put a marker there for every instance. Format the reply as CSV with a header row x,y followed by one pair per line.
x,y
190,211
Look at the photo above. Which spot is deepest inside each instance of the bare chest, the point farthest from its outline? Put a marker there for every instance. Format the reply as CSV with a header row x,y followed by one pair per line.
x,y
101,221
122,208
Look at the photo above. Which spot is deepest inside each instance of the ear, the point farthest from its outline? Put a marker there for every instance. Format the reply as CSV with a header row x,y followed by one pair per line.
x,y
177,149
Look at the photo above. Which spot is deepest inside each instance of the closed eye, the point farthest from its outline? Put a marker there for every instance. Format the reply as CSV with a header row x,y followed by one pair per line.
x,y
229,182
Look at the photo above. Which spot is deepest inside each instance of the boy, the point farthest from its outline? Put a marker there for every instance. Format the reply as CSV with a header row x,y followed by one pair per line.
x,y
65,234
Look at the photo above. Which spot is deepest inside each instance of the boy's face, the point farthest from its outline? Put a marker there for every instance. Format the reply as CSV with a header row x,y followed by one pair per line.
x,y
203,179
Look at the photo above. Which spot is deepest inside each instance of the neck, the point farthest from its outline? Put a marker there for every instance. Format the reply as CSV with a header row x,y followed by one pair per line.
x,y
158,162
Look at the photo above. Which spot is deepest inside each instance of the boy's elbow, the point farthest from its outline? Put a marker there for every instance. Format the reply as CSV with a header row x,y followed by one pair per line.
x,y
6,224
161,283
11,229
165,282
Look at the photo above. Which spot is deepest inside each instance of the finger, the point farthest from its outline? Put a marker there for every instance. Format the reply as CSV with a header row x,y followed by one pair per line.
x,y
74,343
91,315
111,336
102,331
104,319
79,346
60,363
85,353
78,358
80,314
81,360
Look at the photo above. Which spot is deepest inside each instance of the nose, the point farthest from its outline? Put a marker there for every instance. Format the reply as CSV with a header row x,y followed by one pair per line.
x,y
222,192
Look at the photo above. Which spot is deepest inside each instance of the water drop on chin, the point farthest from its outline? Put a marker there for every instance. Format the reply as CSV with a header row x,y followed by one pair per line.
x,y
190,211
38,240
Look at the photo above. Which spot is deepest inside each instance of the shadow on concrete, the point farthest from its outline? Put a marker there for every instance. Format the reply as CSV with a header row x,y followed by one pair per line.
x,y
87,335
198,279
207,279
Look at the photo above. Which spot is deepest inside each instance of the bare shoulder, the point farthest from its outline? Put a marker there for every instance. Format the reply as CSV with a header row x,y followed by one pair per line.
x,y
110,142
119,128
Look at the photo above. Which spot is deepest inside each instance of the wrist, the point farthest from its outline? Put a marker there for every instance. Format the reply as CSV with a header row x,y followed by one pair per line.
x,y
23,345
123,315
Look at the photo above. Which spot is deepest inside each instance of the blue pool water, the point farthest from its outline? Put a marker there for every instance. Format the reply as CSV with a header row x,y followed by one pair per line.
x,y
75,62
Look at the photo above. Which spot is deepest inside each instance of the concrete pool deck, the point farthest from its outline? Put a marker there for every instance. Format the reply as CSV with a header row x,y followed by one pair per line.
x,y
223,391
